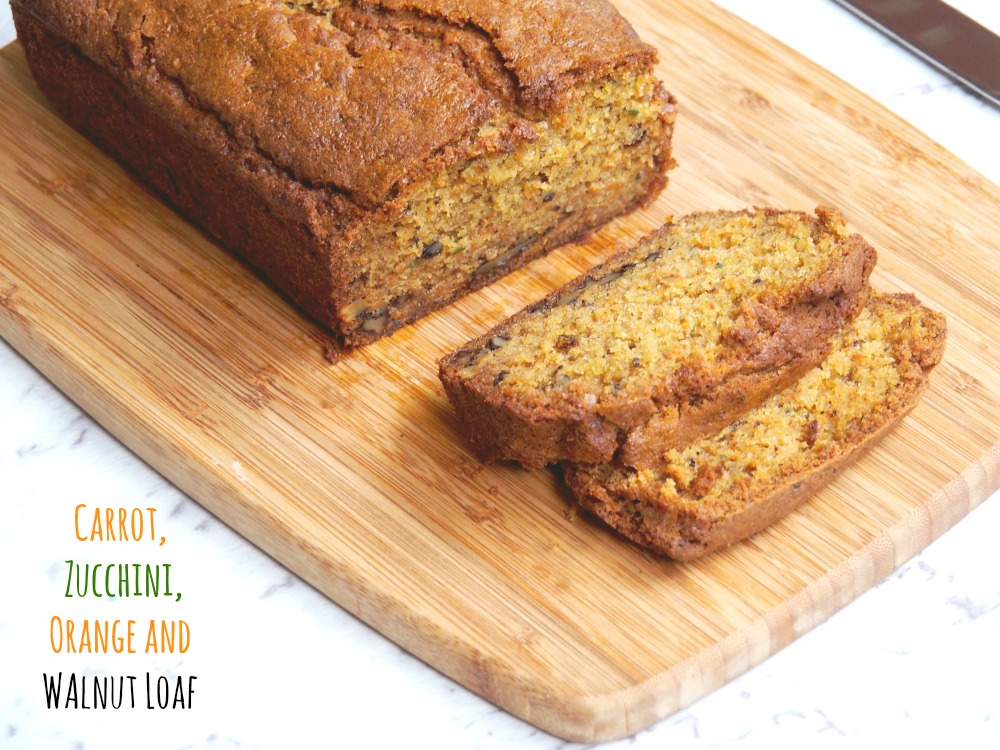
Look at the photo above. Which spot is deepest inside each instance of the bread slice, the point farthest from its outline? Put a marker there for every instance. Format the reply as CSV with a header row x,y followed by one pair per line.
x,y
726,487
373,160
663,344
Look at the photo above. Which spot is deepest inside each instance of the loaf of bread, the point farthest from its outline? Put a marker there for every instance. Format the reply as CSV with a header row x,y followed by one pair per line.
x,y
726,487
663,344
373,160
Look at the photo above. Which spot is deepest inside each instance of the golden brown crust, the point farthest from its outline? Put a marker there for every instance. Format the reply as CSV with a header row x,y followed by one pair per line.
x,y
684,518
392,83
775,339
276,224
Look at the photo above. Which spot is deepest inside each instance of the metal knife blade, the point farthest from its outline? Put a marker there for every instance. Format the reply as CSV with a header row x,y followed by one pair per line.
x,y
949,40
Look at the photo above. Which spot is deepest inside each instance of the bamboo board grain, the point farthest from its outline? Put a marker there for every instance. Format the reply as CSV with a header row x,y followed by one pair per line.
x,y
352,474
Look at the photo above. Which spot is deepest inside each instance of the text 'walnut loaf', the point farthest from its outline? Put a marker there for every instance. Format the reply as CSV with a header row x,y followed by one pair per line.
x,y
373,160
663,344
728,486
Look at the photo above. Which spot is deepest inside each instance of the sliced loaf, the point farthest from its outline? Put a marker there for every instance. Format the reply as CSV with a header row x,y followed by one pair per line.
x,y
723,488
373,160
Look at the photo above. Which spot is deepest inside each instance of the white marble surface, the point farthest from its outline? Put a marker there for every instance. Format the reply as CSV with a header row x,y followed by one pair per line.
x,y
914,662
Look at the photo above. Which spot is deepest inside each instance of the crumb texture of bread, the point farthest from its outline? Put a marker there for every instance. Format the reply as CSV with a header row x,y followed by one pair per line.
x,y
723,488
374,161
665,343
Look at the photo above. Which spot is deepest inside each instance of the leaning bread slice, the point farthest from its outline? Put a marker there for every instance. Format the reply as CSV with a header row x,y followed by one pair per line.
x,y
663,344
724,488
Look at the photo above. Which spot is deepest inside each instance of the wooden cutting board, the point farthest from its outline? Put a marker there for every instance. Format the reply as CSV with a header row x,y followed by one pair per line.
x,y
353,475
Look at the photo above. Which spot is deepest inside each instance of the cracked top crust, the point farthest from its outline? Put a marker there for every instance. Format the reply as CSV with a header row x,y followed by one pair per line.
x,y
355,97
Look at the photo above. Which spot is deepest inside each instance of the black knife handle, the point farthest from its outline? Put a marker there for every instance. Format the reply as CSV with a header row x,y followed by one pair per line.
x,y
952,42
